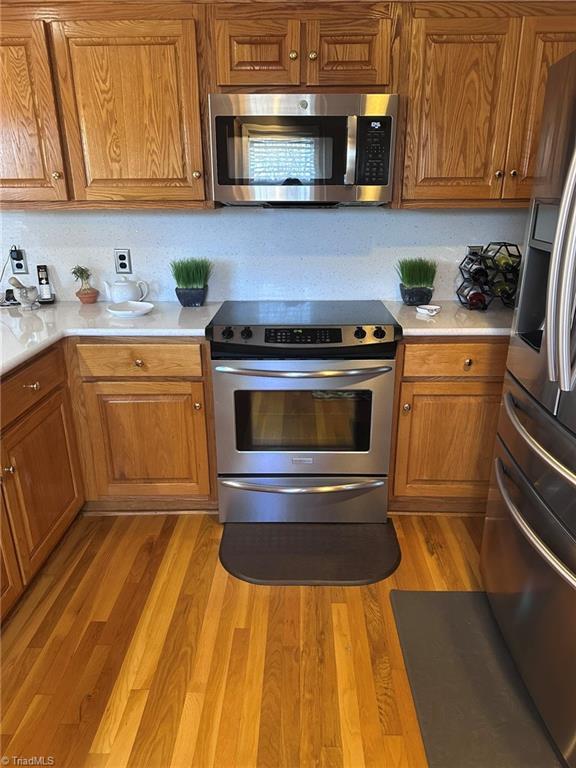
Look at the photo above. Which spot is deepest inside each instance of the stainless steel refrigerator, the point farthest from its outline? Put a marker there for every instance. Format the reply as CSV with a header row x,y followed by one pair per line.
x,y
529,543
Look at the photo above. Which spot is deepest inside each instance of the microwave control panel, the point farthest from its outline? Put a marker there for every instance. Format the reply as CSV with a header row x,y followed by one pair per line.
x,y
373,139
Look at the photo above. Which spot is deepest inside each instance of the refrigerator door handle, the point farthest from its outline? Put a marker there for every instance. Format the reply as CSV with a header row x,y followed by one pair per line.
x,y
509,406
552,298
566,377
547,554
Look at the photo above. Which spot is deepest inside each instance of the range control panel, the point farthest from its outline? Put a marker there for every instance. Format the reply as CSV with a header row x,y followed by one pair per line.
x,y
309,336
373,150
302,335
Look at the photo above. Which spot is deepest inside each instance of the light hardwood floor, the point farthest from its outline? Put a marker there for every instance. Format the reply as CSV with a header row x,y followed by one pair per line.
x,y
134,647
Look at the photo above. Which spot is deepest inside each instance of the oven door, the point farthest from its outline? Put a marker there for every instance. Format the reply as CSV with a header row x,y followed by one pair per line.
x,y
298,417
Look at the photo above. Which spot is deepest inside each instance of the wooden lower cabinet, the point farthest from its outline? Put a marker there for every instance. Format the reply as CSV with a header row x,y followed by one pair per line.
x,y
446,432
11,586
41,479
148,439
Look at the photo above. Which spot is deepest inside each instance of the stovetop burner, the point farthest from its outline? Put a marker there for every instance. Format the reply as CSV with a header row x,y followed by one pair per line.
x,y
303,329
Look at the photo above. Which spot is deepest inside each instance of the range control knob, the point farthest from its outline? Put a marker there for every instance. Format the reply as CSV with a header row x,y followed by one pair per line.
x,y
359,333
379,333
246,333
228,333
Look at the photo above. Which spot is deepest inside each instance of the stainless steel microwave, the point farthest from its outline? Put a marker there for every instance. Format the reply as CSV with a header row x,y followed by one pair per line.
x,y
302,148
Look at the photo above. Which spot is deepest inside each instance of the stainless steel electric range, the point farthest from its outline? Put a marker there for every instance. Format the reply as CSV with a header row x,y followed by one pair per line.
x,y
303,403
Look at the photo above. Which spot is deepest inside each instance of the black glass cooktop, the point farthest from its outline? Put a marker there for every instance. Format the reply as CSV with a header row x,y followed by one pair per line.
x,y
303,313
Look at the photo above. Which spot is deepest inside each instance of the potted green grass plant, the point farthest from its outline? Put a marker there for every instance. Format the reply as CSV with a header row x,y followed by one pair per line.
x,y
416,280
191,276
86,293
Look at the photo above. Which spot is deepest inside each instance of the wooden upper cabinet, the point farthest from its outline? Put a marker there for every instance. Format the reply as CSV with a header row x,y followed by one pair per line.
x,y
31,165
544,41
460,100
348,52
131,110
258,51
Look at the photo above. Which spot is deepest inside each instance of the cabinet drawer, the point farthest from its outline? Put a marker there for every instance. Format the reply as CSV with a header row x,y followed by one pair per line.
x,y
474,359
24,389
139,360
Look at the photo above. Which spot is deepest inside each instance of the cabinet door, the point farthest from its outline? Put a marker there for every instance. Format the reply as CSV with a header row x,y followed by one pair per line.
x,y
461,82
446,433
258,51
43,489
348,52
544,41
31,165
130,103
149,438
11,586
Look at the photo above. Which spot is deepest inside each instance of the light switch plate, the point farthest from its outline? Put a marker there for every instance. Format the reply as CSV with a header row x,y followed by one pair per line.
x,y
123,261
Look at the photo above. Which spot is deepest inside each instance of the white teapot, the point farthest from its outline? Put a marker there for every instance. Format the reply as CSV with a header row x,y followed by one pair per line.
x,y
126,290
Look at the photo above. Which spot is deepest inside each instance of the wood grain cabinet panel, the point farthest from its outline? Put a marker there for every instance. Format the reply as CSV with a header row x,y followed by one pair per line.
x,y
461,83
148,438
445,439
139,360
31,166
258,51
473,359
43,489
11,586
348,52
545,40
131,110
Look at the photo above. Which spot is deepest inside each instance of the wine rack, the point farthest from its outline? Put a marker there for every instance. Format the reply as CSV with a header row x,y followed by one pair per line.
x,y
489,273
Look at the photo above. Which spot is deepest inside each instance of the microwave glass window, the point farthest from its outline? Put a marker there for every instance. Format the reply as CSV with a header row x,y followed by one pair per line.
x,y
266,151
303,420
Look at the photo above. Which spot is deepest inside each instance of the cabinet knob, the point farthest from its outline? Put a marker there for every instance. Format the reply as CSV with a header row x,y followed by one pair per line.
x,y
196,175
499,174
468,362
513,173
139,363
313,55
406,407
10,470
35,386
56,175
293,55
197,406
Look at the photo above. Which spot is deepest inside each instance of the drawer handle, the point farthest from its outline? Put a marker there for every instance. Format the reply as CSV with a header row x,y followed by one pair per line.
x,y
197,406
468,362
139,363
293,55
35,386
10,469
406,407
313,55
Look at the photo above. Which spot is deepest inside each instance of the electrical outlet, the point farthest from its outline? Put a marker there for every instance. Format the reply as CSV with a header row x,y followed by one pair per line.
x,y
123,261
18,261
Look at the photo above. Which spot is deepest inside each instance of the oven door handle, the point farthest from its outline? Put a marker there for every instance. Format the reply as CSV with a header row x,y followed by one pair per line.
x,y
509,406
244,486
546,553
303,374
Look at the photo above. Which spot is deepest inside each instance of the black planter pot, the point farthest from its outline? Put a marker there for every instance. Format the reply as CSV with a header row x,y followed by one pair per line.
x,y
413,297
192,297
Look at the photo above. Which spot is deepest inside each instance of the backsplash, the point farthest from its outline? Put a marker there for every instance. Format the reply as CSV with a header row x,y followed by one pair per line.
x,y
258,253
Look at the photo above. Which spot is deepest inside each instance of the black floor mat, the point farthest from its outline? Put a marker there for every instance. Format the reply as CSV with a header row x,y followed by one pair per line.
x,y
473,708
348,554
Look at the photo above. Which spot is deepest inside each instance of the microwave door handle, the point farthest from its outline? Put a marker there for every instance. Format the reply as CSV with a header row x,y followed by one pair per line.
x,y
552,302
566,377
303,374
528,533
350,174
302,489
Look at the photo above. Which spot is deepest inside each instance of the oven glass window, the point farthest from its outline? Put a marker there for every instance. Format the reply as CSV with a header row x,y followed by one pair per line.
x,y
264,151
303,420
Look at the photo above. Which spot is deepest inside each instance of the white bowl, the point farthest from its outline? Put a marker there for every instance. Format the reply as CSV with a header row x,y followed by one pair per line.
x,y
130,308
428,309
